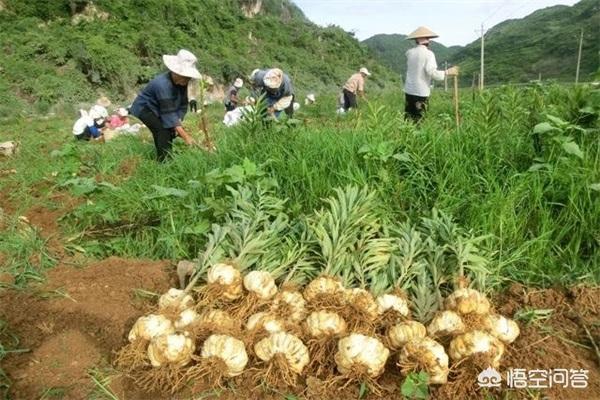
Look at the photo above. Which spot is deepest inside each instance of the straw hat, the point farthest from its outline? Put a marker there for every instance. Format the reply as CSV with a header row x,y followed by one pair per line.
x,y
273,78
238,83
122,112
99,110
311,97
365,71
103,101
422,32
184,64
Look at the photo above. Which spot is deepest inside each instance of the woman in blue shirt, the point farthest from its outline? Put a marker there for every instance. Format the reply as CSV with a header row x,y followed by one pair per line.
x,y
162,104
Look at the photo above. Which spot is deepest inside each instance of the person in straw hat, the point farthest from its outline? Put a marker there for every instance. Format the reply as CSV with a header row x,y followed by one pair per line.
x,y
163,103
276,87
232,101
421,69
354,86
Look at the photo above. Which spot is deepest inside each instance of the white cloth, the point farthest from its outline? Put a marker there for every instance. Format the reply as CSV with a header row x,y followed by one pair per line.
x,y
421,68
235,116
83,122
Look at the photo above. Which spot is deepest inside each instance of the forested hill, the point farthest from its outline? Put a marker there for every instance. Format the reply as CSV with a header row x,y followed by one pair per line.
x,y
391,49
518,50
545,42
66,51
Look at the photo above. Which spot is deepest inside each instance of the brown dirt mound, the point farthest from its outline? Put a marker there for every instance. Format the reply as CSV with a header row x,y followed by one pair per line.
x,y
94,306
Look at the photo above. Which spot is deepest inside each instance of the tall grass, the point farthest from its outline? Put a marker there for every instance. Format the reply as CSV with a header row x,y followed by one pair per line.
x,y
486,174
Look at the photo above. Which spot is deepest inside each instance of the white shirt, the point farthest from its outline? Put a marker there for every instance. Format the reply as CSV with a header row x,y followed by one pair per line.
x,y
83,122
421,68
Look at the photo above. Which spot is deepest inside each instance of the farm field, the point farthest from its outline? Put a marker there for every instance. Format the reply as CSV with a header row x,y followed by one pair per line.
x,y
509,202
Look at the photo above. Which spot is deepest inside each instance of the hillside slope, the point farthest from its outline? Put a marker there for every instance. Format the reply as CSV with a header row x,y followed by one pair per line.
x,y
65,51
518,50
391,49
545,42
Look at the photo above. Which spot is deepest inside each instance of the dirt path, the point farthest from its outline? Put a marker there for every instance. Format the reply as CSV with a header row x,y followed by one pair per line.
x,y
76,321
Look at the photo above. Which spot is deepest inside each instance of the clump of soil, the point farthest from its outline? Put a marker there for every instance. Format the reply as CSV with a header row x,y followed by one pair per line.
x,y
61,363
93,307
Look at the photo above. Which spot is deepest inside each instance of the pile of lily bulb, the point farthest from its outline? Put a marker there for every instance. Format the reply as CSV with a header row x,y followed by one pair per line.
x,y
246,327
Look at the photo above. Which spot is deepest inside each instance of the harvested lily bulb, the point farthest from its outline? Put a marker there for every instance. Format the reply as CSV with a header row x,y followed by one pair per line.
x,y
323,285
217,320
363,301
446,323
227,276
363,353
290,346
501,327
175,349
261,283
404,332
176,299
292,303
186,319
150,326
229,350
476,342
325,324
392,302
466,301
266,321
426,354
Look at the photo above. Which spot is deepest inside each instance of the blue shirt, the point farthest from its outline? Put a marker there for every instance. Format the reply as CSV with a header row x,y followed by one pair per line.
x,y
286,88
164,98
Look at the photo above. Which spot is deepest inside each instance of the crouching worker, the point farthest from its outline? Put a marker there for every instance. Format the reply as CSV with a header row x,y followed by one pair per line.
x,y
88,126
277,89
163,103
232,101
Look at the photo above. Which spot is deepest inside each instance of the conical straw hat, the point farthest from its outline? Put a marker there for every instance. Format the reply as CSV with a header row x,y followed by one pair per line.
x,y
422,32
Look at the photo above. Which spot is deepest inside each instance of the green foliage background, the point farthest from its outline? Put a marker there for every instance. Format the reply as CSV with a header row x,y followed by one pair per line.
x,y
47,59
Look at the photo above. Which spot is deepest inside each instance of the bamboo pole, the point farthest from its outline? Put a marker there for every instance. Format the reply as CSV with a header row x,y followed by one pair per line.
x,y
456,101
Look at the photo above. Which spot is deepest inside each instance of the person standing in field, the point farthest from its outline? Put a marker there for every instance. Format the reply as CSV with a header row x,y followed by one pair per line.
x,y
354,86
276,87
232,101
163,103
421,69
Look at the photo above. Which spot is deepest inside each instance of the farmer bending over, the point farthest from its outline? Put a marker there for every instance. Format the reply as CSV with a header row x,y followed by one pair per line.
x,y
277,89
354,86
89,125
162,104
421,68
232,101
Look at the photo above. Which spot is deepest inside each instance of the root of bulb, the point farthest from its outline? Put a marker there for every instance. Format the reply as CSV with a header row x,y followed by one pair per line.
x,y
473,321
413,364
359,376
249,304
213,371
357,320
132,356
389,319
462,378
277,373
211,295
334,302
164,379
201,331
322,364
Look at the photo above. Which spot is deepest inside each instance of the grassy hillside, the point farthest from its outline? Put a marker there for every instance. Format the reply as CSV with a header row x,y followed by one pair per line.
x,y
543,42
66,51
391,49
